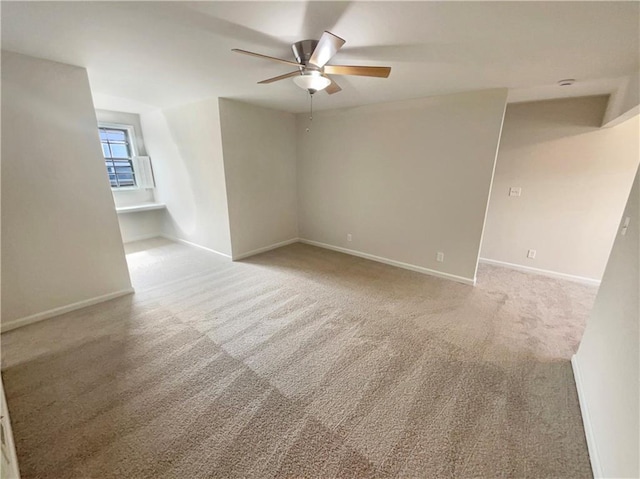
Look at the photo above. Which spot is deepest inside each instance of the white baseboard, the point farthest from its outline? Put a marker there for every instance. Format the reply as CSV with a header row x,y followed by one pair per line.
x,y
399,264
544,272
142,238
196,245
264,249
586,420
34,318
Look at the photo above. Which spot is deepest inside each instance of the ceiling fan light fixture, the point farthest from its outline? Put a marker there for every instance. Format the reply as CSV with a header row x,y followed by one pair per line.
x,y
312,80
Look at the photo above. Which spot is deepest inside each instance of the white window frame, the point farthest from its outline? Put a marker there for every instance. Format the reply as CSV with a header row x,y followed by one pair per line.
x,y
131,133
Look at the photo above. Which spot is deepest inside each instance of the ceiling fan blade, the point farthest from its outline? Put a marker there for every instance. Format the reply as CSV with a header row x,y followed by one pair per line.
x,y
266,57
327,47
281,77
326,14
380,72
333,87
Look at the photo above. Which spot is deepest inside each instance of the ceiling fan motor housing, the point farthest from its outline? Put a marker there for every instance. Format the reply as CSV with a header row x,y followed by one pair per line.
x,y
303,50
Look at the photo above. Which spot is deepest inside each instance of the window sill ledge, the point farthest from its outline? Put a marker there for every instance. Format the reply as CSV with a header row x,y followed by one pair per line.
x,y
131,188
144,207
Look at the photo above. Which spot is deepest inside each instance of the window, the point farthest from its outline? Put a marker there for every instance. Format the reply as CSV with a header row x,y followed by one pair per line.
x,y
118,151
126,170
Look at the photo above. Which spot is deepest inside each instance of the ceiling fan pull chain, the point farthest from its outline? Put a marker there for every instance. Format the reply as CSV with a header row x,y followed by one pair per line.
x,y
310,111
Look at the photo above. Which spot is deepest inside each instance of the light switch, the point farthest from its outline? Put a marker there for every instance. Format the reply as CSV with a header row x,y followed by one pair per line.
x,y
515,191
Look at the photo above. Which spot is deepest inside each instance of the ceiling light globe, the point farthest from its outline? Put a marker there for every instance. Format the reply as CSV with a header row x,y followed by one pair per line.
x,y
312,81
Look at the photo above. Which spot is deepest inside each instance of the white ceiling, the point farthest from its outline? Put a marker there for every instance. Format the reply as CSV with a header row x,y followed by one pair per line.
x,y
145,55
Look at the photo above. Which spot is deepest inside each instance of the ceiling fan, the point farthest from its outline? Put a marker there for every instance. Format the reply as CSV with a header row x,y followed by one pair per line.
x,y
312,70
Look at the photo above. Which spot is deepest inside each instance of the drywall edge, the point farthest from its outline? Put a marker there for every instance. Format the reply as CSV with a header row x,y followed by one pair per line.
x,y
586,421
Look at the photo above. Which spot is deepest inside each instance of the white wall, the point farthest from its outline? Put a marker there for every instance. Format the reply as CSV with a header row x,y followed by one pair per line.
x,y
185,145
60,237
606,364
406,179
138,225
259,146
575,178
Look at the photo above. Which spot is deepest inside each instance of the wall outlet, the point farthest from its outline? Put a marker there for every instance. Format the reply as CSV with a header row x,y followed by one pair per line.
x,y
440,257
349,238
531,254
515,191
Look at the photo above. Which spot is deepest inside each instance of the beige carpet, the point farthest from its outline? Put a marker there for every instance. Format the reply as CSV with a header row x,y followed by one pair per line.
x,y
302,362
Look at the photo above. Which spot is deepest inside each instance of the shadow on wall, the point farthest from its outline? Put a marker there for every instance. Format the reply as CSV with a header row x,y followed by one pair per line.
x,y
174,181
554,119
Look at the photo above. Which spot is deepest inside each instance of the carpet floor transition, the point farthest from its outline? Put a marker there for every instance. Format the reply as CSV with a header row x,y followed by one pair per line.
x,y
302,362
